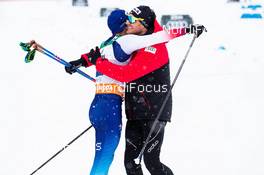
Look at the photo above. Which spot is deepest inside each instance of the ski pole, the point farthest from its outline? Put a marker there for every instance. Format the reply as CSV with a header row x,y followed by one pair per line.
x,y
60,60
31,53
62,149
164,103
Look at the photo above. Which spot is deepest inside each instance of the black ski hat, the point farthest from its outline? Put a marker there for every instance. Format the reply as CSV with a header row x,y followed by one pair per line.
x,y
147,14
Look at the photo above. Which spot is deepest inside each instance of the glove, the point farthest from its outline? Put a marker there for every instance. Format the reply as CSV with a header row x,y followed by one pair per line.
x,y
196,29
75,65
94,55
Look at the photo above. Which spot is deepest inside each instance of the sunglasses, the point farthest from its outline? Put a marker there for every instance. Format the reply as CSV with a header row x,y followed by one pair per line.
x,y
133,19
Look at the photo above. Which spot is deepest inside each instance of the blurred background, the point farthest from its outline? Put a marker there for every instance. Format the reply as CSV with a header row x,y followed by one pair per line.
x,y
217,123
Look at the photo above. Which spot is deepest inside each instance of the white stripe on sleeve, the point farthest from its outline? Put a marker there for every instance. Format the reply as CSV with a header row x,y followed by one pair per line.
x,y
130,43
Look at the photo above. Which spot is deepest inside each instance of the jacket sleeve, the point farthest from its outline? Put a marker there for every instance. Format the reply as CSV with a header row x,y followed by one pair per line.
x,y
85,57
142,63
131,43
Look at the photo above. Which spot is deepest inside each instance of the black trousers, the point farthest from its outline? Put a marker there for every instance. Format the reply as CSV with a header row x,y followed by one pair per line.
x,y
136,133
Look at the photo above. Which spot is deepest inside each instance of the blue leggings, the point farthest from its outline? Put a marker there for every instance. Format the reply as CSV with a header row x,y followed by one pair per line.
x,y
106,117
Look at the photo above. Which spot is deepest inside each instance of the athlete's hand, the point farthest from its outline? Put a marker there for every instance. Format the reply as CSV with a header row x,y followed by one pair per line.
x,y
94,55
196,29
74,65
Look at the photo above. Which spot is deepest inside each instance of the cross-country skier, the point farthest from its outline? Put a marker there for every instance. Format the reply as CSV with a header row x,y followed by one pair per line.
x,y
149,67
105,111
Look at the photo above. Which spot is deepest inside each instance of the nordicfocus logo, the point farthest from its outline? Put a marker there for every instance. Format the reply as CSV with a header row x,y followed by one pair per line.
x,y
153,146
114,88
131,87
179,29
158,88
174,29
136,10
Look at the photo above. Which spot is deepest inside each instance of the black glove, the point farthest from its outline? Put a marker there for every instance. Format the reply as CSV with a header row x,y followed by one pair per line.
x,y
75,65
94,55
196,29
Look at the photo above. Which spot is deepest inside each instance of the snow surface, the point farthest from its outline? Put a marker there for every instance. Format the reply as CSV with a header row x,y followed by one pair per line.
x,y
218,114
